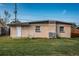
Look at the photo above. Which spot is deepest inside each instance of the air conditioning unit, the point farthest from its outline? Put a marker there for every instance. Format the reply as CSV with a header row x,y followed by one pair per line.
x,y
52,35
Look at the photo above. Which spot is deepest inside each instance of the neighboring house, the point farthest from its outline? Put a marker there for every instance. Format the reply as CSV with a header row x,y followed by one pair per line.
x,y
2,27
77,27
40,29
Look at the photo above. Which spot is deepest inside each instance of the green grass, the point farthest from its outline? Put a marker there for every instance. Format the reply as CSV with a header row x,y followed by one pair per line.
x,y
39,47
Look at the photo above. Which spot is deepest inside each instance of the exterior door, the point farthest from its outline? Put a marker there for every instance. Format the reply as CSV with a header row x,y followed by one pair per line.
x,y
18,31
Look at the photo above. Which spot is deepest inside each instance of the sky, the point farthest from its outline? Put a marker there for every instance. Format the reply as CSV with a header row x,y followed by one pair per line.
x,y
68,12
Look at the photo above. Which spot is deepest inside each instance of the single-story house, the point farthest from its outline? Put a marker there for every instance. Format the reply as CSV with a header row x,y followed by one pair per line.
x,y
40,29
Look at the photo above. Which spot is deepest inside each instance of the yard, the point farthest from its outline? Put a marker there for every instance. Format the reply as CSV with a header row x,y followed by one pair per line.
x,y
39,47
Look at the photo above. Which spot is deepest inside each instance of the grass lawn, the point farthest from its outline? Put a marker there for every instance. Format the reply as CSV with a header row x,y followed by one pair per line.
x,y
39,47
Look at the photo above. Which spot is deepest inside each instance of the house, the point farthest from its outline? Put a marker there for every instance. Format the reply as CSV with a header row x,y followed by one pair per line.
x,y
40,29
77,27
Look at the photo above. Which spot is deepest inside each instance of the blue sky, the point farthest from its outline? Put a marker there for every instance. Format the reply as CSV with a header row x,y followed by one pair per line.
x,y
44,11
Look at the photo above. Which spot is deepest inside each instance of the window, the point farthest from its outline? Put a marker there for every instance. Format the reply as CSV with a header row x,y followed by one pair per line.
x,y
61,29
37,29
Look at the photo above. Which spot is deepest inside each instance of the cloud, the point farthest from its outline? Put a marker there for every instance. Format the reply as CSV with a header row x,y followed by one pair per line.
x,y
64,11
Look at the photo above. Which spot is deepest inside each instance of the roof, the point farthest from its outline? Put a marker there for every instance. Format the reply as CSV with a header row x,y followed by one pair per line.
x,y
50,21
18,23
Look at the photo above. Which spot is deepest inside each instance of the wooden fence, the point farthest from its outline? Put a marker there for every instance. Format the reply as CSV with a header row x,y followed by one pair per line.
x,y
75,32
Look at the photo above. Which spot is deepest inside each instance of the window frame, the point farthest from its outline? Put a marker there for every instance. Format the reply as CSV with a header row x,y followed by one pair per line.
x,y
37,29
61,29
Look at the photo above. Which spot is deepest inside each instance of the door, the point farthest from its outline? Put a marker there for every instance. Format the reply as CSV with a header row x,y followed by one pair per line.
x,y
18,31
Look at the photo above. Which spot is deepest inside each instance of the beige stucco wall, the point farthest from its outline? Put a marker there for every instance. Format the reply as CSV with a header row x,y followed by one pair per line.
x,y
29,31
25,31
67,30
44,28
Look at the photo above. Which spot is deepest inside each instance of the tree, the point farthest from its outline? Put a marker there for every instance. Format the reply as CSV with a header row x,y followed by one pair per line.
x,y
7,16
